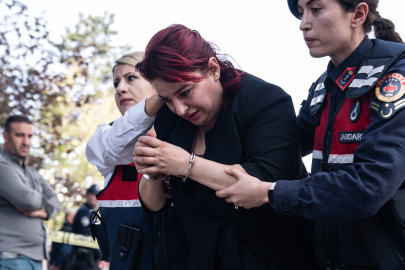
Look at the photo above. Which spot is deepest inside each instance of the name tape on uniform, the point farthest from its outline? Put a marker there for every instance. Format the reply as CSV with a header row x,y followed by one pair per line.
x,y
72,239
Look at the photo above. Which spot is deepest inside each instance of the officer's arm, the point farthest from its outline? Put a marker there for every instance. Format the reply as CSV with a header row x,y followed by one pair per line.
x,y
306,124
362,188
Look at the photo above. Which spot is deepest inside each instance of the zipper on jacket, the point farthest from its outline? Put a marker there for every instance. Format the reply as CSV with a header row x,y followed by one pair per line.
x,y
329,230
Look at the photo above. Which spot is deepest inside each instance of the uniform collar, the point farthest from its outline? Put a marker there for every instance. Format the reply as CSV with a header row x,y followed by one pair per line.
x,y
345,72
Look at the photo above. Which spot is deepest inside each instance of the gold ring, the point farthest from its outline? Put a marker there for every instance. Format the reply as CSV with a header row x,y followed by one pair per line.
x,y
236,206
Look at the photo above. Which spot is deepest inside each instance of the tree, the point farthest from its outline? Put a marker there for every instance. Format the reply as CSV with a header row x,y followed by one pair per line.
x,y
63,89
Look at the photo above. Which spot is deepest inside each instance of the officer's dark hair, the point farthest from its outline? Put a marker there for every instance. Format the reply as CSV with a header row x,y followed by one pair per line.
x,y
16,119
383,28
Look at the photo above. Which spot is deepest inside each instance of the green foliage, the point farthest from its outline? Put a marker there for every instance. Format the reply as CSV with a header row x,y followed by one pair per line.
x,y
62,87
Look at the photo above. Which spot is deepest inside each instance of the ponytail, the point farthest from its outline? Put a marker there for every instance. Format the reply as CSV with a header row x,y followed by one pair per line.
x,y
383,28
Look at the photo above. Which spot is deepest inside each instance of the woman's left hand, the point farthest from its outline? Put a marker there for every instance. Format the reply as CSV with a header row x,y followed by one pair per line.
x,y
248,192
160,157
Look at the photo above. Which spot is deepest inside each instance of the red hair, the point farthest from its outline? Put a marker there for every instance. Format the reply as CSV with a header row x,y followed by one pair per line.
x,y
176,52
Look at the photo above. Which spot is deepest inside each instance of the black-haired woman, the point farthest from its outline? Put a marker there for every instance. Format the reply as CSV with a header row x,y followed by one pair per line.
x,y
353,123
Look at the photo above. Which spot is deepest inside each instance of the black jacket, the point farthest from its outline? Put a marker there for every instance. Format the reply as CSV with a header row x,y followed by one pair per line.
x,y
258,131
80,225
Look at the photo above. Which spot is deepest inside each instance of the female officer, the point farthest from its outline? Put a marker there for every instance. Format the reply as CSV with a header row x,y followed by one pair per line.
x,y
353,124
110,149
226,117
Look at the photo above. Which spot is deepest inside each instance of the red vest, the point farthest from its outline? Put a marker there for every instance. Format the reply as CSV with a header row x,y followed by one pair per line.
x,y
346,134
119,192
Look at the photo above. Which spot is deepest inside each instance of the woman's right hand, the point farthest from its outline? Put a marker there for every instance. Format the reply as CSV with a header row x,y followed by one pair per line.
x,y
160,157
139,144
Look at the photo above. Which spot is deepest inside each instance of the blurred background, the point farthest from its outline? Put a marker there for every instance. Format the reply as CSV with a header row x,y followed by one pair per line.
x,y
56,59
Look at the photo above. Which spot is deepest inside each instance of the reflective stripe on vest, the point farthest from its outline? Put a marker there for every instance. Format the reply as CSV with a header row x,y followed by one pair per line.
x,y
120,193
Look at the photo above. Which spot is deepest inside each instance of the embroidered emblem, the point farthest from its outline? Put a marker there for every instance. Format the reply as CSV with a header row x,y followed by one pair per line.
x,y
355,111
350,136
386,110
85,221
391,87
346,78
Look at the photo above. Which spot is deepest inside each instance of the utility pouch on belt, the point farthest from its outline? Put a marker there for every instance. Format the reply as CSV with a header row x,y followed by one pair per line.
x,y
99,231
127,251
384,233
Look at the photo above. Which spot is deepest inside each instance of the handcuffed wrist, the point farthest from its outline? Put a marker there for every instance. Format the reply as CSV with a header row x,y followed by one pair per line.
x,y
156,177
190,163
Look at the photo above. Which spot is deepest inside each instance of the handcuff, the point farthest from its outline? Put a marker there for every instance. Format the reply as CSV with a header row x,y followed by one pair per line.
x,y
166,176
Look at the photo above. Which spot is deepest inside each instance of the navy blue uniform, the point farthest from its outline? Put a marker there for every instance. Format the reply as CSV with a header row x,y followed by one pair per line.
x,y
84,258
354,126
164,246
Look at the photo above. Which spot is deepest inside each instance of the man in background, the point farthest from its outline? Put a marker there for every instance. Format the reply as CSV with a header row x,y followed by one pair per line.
x,y
26,200
60,259
85,258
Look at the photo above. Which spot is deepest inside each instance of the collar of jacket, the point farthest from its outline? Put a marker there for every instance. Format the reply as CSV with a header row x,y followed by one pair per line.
x,y
380,57
10,157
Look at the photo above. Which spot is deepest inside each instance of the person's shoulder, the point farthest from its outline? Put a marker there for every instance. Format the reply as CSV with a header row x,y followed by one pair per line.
x,y
389,93
5,165
4,159
3,162
81,211
252,84
257,91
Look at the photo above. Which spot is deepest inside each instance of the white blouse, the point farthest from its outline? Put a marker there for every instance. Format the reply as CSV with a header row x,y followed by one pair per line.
x,y
113,145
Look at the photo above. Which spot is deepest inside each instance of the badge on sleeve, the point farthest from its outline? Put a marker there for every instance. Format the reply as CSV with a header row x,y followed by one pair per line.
x,y
355,111
346,77
391,87
85,221
388,109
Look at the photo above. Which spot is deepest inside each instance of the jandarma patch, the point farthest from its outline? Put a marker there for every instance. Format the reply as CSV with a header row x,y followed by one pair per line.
x,y
346,77
390,88
350,136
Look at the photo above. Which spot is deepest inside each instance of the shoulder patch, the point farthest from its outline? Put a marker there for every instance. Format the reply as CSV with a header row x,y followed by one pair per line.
x,y
85,221
388,109
391,87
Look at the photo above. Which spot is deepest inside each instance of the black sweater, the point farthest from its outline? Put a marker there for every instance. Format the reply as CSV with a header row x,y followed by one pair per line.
x,y
259,132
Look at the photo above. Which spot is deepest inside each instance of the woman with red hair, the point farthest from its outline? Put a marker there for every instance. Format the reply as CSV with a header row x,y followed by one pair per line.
x,y
218,117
